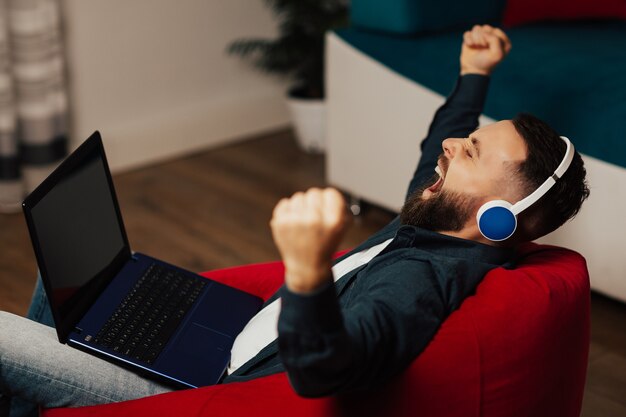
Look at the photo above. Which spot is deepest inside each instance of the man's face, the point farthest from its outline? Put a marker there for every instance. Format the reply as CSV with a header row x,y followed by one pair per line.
x,y
477,165
474,170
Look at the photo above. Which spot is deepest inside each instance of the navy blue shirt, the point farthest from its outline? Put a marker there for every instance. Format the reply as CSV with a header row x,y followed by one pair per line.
x,y
378,318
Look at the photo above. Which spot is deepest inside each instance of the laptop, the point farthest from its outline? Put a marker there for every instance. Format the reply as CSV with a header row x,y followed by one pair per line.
x,y
154,318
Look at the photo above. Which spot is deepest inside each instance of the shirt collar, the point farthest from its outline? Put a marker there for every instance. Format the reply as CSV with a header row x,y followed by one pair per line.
x,y
449,246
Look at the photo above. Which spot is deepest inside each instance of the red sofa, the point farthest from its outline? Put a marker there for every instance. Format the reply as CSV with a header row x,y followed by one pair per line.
x,y
518,347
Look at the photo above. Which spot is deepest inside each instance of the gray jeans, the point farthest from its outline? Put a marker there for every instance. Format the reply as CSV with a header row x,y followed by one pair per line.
x,y
38,370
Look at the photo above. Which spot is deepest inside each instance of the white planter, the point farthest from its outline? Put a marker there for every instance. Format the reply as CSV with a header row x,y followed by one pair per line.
x,y
309,121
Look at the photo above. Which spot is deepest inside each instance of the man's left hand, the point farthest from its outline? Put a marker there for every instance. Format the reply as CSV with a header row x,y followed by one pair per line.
x,y
483,48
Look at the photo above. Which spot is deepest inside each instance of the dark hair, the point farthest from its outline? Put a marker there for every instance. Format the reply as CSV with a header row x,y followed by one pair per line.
x,y
545,151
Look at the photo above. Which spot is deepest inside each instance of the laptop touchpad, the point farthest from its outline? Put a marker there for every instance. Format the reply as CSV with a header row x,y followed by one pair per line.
x,y
206,350
200,340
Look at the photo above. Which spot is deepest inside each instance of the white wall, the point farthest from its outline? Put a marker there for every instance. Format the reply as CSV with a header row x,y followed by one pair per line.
x,y
154,78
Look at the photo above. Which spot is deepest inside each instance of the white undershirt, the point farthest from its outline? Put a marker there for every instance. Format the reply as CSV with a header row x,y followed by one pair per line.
x,y
262,330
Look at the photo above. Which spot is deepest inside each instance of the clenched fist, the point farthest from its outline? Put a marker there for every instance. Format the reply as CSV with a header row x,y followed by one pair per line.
x,y
484,47
307,229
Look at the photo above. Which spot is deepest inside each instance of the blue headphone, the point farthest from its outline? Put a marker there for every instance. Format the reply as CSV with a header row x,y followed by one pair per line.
x,y
497,219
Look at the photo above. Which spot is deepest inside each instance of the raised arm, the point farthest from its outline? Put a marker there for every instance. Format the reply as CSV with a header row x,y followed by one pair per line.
x,y
326,349
484,47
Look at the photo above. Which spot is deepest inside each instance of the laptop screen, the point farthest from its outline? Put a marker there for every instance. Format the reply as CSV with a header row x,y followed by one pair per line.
x,y
78,234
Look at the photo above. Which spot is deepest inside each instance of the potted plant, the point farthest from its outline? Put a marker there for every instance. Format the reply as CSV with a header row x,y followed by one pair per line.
x,y
298,53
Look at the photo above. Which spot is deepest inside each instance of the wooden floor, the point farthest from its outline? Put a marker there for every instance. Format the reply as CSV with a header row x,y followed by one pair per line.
x,y
212,210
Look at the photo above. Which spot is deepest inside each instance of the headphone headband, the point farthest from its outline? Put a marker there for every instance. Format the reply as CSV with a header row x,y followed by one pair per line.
x,y
549,183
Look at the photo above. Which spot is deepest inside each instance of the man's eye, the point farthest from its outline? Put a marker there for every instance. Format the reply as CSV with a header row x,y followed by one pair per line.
x,y
467,152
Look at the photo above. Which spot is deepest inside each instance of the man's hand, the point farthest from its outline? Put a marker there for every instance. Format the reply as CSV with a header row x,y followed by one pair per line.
x,y
484,47
307,228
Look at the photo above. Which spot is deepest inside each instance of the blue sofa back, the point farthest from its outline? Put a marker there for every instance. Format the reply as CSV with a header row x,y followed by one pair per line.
x,y
407,17
571,75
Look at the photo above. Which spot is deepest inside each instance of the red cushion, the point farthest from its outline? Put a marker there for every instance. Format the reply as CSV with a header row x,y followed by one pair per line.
x,y
517,347
518,12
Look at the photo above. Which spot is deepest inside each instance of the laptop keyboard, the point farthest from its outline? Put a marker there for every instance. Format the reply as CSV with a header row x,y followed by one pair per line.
x,y
146,319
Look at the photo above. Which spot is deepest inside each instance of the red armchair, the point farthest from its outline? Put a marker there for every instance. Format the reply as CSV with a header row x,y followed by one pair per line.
x,y
518,347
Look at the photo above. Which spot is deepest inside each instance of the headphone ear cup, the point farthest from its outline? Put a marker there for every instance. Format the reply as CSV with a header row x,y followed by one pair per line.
x,y
496,221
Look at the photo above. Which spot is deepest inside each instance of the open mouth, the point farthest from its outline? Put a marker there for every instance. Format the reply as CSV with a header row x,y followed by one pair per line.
x,y
436,187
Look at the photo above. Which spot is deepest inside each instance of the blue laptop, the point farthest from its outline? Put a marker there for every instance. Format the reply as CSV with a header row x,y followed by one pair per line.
x,y
158,320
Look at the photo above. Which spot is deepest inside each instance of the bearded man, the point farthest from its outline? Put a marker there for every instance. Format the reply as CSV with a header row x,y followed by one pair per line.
x,y
355,322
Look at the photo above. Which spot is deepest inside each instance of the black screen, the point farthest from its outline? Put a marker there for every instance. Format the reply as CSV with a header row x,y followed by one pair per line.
x,y
78,233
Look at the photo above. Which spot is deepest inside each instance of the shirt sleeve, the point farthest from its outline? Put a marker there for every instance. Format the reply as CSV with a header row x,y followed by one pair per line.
x,y
458,117
328,350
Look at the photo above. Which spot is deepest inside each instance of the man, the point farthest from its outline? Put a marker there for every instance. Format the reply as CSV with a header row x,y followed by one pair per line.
x,y
392,292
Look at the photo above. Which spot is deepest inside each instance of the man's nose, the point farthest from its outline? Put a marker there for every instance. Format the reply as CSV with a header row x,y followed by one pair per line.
x,y
450,146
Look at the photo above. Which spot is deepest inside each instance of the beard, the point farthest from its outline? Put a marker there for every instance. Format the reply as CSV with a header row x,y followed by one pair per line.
x,y
445,211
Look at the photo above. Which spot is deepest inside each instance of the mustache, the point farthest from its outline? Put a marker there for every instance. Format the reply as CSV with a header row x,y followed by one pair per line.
x,y
443,162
